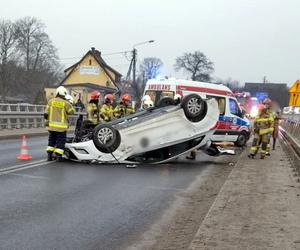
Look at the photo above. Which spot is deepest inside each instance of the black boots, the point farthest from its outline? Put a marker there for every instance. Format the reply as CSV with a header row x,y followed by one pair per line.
x,y
49,157
251,156
59,157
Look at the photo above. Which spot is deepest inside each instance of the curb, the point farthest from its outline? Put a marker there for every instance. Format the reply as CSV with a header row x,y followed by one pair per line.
x,y
195,243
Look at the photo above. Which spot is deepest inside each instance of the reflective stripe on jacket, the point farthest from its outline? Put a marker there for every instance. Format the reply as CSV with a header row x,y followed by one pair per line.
x,y
93,113
122,110
107,112
264,124
58,111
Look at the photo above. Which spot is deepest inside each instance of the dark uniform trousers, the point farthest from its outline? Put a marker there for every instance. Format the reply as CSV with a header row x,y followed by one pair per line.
x,y
57,140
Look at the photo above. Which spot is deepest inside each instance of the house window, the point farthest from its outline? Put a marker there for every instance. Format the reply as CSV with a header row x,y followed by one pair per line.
x,y
90,62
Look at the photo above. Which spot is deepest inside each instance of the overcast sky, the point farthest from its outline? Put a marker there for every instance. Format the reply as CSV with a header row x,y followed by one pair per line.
x,y
246,40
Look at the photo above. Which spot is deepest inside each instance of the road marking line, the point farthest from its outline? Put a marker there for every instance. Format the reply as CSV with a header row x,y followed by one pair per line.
x,y
30,176
23,168
21,165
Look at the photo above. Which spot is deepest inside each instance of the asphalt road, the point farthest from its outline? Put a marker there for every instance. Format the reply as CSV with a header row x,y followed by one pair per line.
x,y
77,206
10,149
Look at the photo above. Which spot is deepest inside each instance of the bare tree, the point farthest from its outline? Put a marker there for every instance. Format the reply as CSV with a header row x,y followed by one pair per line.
x,y
151,67
34,44
37,54
7,42
197,64
230,83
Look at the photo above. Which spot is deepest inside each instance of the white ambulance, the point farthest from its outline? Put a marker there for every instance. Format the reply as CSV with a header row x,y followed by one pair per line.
x,y
232,126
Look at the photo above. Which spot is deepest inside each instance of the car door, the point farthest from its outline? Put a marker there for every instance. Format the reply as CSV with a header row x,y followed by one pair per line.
x,y
234,120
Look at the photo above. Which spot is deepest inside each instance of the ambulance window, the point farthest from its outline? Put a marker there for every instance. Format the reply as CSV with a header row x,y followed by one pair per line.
x,y
221,103
234,107
152,94
167,94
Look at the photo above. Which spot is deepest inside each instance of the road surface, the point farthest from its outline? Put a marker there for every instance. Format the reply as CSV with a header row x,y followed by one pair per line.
x,y
78,206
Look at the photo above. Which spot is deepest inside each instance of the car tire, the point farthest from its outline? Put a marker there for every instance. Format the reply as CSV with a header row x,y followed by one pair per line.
x,y
194,107
241,140
106,138
165,101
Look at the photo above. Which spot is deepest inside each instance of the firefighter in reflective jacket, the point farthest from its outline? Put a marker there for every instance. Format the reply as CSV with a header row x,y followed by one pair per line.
x,y
56,116
124,108
93,111
107,110
268,105
263,127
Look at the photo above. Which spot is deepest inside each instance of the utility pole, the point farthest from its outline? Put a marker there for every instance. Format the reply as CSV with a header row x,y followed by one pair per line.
x,y
134,54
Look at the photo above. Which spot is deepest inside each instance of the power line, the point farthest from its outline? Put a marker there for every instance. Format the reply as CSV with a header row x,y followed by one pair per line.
x,y
108,54
116,65
115,53
69,58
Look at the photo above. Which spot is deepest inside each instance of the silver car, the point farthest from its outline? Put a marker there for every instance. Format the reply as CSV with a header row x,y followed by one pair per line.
x,y
156,135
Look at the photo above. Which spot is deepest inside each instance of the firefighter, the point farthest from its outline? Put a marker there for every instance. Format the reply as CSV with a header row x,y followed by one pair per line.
x,y
124,108
146,98
146,103
56,114
192,155
107,110
277,119
70,99
93,112
263,126
268,105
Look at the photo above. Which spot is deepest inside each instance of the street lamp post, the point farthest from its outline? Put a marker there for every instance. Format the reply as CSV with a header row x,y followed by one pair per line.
x,y
134,56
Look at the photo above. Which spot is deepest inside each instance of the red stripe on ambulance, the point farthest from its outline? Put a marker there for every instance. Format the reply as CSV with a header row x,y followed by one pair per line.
x,y
204,90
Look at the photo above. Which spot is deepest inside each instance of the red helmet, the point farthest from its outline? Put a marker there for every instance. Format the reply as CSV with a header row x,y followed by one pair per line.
x,y
126,98
267,101
109,98
95,95
261,108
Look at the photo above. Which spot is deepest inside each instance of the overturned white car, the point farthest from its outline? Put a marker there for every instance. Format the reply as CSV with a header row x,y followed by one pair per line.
x,y
156,135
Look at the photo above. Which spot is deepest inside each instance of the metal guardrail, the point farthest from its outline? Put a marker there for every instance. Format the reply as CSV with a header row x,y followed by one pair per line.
x,y
292,117
291,124
16,116
290,133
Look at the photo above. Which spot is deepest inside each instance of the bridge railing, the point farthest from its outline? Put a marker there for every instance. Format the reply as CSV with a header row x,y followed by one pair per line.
x,y
291,124
15,116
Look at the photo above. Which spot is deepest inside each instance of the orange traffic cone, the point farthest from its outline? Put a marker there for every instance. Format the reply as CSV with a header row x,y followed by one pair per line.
x,y
24,156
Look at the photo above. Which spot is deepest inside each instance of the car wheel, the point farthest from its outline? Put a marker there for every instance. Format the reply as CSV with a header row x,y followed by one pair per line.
x,y
106,138
194,107
165,101
241,140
